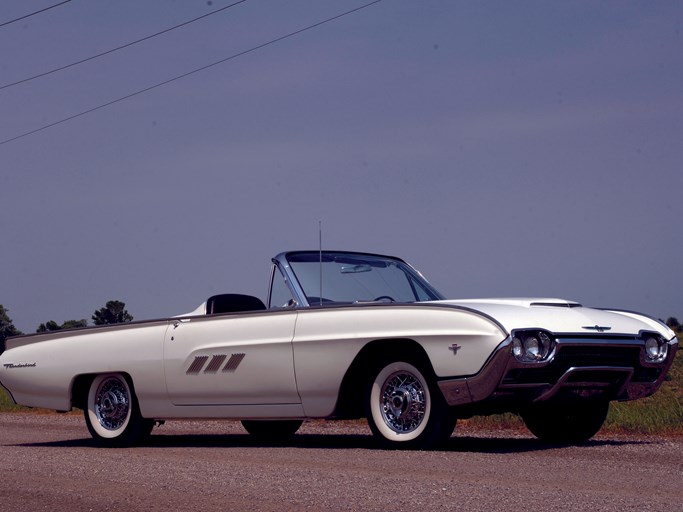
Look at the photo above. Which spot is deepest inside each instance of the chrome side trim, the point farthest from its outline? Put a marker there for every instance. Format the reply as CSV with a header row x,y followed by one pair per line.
x,y
481,386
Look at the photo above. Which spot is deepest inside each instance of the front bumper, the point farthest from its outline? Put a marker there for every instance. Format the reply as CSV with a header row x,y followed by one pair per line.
x,y
606,367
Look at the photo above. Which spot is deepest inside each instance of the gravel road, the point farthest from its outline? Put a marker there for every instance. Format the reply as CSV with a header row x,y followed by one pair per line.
x,y
48,462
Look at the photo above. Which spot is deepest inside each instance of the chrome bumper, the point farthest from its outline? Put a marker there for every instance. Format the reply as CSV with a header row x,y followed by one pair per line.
x,y
504,377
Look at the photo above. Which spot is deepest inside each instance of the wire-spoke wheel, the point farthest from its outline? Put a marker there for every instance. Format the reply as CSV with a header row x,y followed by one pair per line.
x,y
112,415
403,411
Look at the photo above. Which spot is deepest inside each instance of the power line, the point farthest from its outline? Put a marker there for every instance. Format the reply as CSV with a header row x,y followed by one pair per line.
x,y
165,82
33,13
107,52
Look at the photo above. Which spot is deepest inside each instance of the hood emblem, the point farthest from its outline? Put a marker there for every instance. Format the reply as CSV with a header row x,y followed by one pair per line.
x,y
454,347
598,328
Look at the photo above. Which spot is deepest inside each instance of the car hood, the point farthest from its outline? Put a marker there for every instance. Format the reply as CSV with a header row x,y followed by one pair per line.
x,y
562,316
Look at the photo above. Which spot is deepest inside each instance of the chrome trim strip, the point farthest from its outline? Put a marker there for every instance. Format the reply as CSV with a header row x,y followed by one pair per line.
x,y
25,339
425,304
270,285
290,280
567,304
482,385
562,381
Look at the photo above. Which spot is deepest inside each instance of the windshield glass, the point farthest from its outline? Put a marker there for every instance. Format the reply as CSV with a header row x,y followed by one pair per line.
x,y
349,277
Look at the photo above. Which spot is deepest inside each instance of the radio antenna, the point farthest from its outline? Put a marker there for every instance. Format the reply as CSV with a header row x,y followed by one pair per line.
x,y
320,247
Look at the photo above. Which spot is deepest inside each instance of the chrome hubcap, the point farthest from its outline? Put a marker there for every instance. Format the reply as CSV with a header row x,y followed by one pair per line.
x,y
403,402
112,404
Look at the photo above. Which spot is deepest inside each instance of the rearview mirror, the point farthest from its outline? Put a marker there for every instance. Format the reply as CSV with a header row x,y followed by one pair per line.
x,y
355,269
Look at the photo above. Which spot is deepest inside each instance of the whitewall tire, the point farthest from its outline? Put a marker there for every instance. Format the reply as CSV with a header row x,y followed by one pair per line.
x,y
404,411
112,414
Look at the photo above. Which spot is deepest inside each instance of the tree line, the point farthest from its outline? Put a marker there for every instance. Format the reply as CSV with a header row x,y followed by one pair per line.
x,y
113,312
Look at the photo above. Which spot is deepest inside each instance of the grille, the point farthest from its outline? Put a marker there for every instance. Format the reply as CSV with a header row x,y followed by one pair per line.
x,y
578,357
597,356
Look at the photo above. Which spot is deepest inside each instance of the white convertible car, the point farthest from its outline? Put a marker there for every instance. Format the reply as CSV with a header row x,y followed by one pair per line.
x,y
347,335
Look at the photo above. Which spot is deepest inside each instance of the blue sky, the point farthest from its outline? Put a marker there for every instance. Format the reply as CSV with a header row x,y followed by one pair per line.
x,y
523,148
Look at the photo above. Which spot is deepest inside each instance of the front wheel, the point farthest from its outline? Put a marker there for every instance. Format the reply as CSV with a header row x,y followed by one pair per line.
x,y
112,414
574,423
404,411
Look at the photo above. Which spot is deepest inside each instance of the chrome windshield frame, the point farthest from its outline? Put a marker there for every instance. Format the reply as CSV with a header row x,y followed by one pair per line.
x,y
281,261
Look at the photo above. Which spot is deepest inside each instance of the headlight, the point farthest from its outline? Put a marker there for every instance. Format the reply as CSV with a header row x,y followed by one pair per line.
x,y
656,349
532,346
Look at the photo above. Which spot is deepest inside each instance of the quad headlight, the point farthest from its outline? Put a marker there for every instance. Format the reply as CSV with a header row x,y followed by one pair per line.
x,y
656,349
532,346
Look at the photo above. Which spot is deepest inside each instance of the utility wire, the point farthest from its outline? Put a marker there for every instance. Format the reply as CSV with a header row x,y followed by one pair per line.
x,y
118,47
165,82
33,13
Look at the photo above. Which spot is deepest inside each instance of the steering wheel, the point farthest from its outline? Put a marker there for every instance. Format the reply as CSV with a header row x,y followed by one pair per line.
x,y
384,298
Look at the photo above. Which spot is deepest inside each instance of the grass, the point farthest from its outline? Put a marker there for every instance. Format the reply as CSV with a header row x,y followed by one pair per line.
x,y
661,413
6,403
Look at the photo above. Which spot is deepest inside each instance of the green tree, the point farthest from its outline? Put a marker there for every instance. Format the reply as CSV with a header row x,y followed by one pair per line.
x,y
7,328
51,325
114,312
74,324
673,322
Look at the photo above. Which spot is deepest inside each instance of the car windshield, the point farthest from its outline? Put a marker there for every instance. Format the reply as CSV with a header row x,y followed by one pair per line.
x,y
348,277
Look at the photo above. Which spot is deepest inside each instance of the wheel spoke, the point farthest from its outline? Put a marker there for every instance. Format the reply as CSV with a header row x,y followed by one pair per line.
x,y
112,404
403,402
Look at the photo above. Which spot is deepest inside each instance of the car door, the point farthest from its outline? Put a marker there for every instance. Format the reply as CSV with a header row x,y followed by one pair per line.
x,y
233,359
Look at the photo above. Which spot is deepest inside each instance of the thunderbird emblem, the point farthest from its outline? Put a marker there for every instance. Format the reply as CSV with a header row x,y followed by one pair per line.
x,y
454,347
598,328
10,366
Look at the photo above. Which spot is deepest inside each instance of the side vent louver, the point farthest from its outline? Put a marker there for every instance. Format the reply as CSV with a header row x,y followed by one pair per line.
x,y
215,364
233,363
197,364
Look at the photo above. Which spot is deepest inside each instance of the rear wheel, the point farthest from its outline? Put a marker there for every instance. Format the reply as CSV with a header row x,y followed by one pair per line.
x,y
112,415
404,411
272,430
574,423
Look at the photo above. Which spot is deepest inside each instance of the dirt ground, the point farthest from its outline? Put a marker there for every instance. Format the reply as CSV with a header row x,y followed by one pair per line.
x,y
48,462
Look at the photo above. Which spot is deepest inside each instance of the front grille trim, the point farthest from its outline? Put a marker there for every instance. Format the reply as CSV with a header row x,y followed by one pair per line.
x,y
607,351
